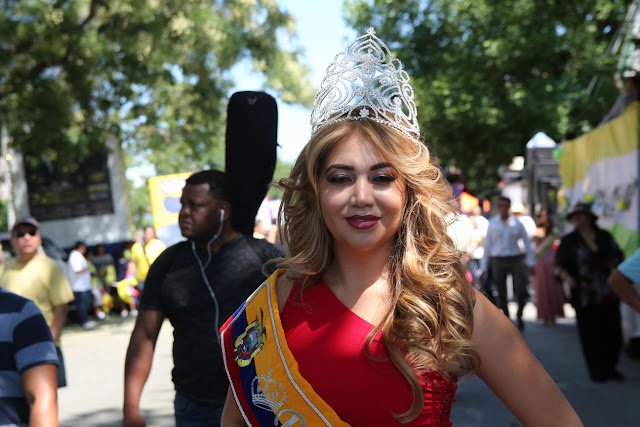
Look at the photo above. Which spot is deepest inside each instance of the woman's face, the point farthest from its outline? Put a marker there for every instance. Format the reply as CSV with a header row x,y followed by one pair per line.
x,y
362,198
543,219
581,220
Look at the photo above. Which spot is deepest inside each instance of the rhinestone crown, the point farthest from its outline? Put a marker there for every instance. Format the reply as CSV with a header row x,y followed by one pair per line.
x,y
365,81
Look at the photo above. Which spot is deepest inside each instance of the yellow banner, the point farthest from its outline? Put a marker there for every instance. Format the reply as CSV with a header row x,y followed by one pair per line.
x,y
613,139
165,193
601,168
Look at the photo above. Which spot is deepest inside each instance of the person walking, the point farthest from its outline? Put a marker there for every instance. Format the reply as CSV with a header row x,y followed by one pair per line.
x,y
105,265
502,255
550,298
81,284
40,279
196,284
585,259
143,254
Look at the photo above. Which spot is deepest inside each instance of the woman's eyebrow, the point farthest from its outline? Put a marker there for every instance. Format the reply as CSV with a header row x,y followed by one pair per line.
x,y
340,166
380,166
350,168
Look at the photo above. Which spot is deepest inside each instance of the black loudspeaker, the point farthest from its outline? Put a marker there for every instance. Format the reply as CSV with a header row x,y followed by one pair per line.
x,y
250,154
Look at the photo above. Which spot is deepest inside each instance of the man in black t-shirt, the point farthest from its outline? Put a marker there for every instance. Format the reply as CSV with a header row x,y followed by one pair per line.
x,y
197,284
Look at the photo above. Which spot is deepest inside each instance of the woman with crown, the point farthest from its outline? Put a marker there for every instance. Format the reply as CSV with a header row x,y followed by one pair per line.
x,y
370,321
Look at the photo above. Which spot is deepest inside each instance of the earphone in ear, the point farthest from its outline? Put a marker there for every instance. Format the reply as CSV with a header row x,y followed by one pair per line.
x,y
221,214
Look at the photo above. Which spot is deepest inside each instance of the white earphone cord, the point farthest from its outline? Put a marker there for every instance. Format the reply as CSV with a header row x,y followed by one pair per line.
x,y
204,275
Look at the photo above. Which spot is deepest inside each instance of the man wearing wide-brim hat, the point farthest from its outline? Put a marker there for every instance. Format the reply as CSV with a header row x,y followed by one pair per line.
x,y
39,278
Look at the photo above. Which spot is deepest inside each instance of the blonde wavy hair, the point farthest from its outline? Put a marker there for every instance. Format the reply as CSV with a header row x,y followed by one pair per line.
x,y
428,323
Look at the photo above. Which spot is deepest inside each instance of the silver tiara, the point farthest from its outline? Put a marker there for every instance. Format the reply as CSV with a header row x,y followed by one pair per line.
x,y
365,81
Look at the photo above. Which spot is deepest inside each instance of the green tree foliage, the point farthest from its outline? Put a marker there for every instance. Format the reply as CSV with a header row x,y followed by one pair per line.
x,y
4,223
489,74
283,169
154,73
139,205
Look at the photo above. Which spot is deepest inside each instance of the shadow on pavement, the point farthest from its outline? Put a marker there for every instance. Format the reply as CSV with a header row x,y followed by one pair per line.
x,y
558,350
113,418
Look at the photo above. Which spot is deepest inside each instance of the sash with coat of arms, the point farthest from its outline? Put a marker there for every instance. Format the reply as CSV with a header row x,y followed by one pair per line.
x,y
262,372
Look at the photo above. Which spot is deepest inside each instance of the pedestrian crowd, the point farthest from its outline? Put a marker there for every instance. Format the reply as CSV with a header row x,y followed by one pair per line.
x,y
38,296
365,285
580,267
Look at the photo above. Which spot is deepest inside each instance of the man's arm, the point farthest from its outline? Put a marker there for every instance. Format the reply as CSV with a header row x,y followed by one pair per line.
x,y
40,385
138,364
59,318
623,287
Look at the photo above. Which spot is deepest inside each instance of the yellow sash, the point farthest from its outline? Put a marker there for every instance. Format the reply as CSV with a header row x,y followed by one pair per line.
x,y
263,374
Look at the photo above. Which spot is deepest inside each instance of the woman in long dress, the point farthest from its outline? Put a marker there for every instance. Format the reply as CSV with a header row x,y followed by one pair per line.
x,y
550,298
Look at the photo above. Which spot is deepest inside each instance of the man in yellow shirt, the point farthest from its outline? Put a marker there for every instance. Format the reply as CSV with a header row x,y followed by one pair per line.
x,y
37,277
144,253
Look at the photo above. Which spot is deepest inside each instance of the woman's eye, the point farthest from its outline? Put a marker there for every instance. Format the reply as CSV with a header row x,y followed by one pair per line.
x,y
384,178
338,178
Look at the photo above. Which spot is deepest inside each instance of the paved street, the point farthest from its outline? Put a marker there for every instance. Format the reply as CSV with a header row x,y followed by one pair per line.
x,y
609,404
95,362
95,372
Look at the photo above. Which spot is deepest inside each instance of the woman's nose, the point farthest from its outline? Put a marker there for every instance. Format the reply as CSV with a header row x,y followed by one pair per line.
x,y
362,193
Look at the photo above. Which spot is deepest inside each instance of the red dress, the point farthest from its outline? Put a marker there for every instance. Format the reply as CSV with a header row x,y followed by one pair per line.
x,y
549,293
327,340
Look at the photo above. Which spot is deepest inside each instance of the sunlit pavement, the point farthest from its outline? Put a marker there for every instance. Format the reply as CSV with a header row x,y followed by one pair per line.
x,y
557,347
95,372
95,365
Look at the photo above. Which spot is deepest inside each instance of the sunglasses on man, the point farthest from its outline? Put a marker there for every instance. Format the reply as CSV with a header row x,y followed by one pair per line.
x,y
22,233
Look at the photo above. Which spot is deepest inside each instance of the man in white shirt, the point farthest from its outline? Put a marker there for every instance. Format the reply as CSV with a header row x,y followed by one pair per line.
x,y
504,257
81,283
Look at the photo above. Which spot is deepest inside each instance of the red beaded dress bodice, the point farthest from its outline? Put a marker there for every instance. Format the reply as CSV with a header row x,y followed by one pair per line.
x,y
327,340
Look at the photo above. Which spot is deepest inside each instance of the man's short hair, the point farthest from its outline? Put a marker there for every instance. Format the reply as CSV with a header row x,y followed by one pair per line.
x,y
78,244
504,199
217,180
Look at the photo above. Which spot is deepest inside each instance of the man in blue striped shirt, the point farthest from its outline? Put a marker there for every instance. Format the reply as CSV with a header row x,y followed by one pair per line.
x,y
28,365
